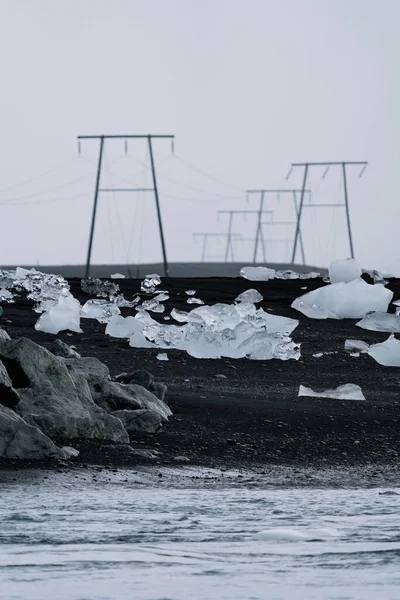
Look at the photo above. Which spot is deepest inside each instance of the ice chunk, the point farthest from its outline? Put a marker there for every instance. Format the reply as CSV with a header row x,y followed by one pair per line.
x,y
387,353
310,275
356,346
190,292
193,300
117,276
257,273
138,340
120,327
349,391
378,278
96,287
150,283
351,300
161,297
120,301
153,306
249,296
380,321
99,309
179,315
162,356
286,274
6,296
344,270
63,315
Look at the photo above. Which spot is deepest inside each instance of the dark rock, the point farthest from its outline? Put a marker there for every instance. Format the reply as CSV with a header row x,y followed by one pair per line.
x,y
8,396
60,348
140,377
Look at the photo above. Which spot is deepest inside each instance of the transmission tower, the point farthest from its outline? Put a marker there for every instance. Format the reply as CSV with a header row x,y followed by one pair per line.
x,y
102,138
327,166
229,247
206,236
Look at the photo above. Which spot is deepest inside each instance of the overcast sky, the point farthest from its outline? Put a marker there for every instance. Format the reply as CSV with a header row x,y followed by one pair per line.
x,y
246,86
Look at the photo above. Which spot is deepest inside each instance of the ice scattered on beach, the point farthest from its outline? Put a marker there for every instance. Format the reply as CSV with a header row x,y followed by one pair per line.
x,y
99,309
355,346
6,296
352,300
123,327
180,315
379,278
96,287
162,356
153,306
344,270
65,314
250,296
117,276
42,288
257,273
349,391
138,340
190,292
150,283
193,300
381,321
386,353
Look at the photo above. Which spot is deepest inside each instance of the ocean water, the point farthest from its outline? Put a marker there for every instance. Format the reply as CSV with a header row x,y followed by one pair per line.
x,y
186,535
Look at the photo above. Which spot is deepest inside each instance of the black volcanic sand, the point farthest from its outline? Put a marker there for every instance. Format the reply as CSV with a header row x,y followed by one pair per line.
x,y
242,413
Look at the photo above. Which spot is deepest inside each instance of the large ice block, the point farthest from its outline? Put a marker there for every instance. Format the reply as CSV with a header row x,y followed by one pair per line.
x,y
344,270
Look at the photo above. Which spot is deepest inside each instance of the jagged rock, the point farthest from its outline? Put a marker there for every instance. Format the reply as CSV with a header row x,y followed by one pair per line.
x,y
116,396
158,389
55,397
60,348
8,396
142,420
146,380
4,335
92,369
19,440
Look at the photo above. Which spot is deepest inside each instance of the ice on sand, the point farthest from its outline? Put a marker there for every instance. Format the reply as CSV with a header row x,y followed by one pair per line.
x,y
249,296
355,346
152,306
387,353
180,315
150,283
138,340
96,287
231,331
123,327
162,356
257,273
101,310
193,300
117,276
381,321
344,270
349,391
65,314
352,300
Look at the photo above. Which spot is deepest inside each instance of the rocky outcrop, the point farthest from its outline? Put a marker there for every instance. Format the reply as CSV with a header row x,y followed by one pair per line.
x,y
146,380
67,397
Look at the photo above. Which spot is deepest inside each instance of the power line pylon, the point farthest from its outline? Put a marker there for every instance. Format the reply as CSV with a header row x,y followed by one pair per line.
x,y
259,231
327,166
102,138
206,236
229,246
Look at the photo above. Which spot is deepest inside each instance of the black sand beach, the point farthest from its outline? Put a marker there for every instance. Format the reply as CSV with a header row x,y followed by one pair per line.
x,y
243,413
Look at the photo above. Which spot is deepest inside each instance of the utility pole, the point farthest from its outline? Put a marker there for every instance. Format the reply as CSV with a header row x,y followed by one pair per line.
x,y
229,246
259,232
206,236
154,189
327,166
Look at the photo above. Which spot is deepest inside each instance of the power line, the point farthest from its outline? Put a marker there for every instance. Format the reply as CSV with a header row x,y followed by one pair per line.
x,y
206,236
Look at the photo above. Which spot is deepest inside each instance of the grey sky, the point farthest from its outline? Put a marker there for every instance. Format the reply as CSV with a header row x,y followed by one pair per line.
x,y
247,87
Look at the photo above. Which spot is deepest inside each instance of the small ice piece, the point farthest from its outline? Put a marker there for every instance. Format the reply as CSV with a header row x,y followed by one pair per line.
x,y
150,283
321,354
63,315
286,274
162,356
349,391
120,301
193,300
167,318
310,275
123,327
153,306
344,270
6,296
249,296
257,273
379,278
161,297
138,340
117,276
351,300
99,309
96,287
179,315
387,353
381,321
190,292
355,346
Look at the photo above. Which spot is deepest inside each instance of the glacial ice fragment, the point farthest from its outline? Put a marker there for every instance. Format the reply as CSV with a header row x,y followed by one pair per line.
x,y
99,309
381,321
249,296
179,315
379,278
117,276
162,356
123,327
351,300
6,296
63,315
257,273
138,340
194,300
387,353
190,292
344,270
153,306
150,283
289,274
355,346
162,297
96,287
349,391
